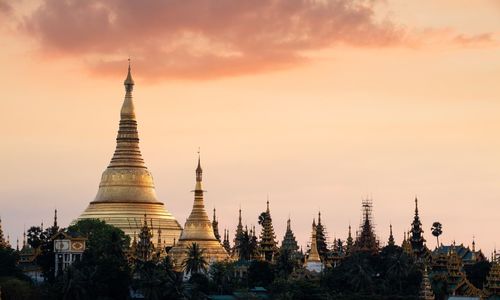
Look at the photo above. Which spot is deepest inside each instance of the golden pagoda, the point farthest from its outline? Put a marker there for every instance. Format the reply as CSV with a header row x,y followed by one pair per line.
x,y
198,229
313,261
126,191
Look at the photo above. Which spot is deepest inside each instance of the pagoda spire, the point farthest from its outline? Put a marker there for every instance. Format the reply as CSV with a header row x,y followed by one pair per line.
x,y
267,237
158,243
366,241
226,243
198,228
289,242
3,242
238,237
55,219
215,226
145,248
349,242
127,153
416,239
313,253
199,174
391,237
198,213
313,262
321,238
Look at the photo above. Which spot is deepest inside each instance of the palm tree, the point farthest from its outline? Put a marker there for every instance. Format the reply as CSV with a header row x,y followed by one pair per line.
x,y
262,217
437,230
195,262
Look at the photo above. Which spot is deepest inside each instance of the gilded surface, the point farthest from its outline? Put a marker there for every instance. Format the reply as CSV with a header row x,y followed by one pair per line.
x,y
198,229
126,191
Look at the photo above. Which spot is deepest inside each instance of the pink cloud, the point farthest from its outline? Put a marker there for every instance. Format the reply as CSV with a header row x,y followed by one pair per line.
x,y
204,39
199,39
5,12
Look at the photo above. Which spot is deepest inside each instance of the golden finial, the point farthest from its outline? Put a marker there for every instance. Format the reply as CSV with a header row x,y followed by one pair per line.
x,y
129,82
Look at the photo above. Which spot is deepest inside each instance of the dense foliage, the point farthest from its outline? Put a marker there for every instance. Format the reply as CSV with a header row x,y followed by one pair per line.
x,y
106,271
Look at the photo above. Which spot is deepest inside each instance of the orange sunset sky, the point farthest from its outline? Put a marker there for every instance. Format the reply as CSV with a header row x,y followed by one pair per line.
x,y
317,104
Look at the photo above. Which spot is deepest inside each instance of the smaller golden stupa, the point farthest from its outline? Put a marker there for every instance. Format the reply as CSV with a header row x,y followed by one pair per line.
x,y
313,262
198,229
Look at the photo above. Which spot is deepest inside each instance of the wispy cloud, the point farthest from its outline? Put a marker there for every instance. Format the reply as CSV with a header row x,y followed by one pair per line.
x,y
204,38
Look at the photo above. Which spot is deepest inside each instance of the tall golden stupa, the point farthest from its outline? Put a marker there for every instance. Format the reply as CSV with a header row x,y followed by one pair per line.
x,y
126,192
198,229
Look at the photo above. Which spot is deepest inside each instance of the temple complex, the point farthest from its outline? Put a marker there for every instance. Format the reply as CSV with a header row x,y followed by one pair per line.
x,y
126,190
198,229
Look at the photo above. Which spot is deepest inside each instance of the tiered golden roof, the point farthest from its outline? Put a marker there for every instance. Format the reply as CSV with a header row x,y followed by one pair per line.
x,y
313,254
198,229
492,285
426,292
127,191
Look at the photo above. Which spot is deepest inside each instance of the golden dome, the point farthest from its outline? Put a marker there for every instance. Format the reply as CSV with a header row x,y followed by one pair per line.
x,y
126,191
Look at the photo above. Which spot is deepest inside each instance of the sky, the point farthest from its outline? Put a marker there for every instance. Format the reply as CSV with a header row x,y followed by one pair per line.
x,y
314,104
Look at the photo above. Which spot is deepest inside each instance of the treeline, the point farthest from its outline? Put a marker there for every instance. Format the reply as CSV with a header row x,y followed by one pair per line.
x,y
107,271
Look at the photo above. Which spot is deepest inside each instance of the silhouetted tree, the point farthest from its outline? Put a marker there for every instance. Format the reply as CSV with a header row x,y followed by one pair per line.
x,y
437,230
195,261
103,272
260,273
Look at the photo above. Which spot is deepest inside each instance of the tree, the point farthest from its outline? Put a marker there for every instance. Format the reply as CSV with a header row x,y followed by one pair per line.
x,y
98,234
247,246
262,218
437,230
36,236
15,289
260,273
8,263
195,262
103,272
286,262
41,239
223,277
